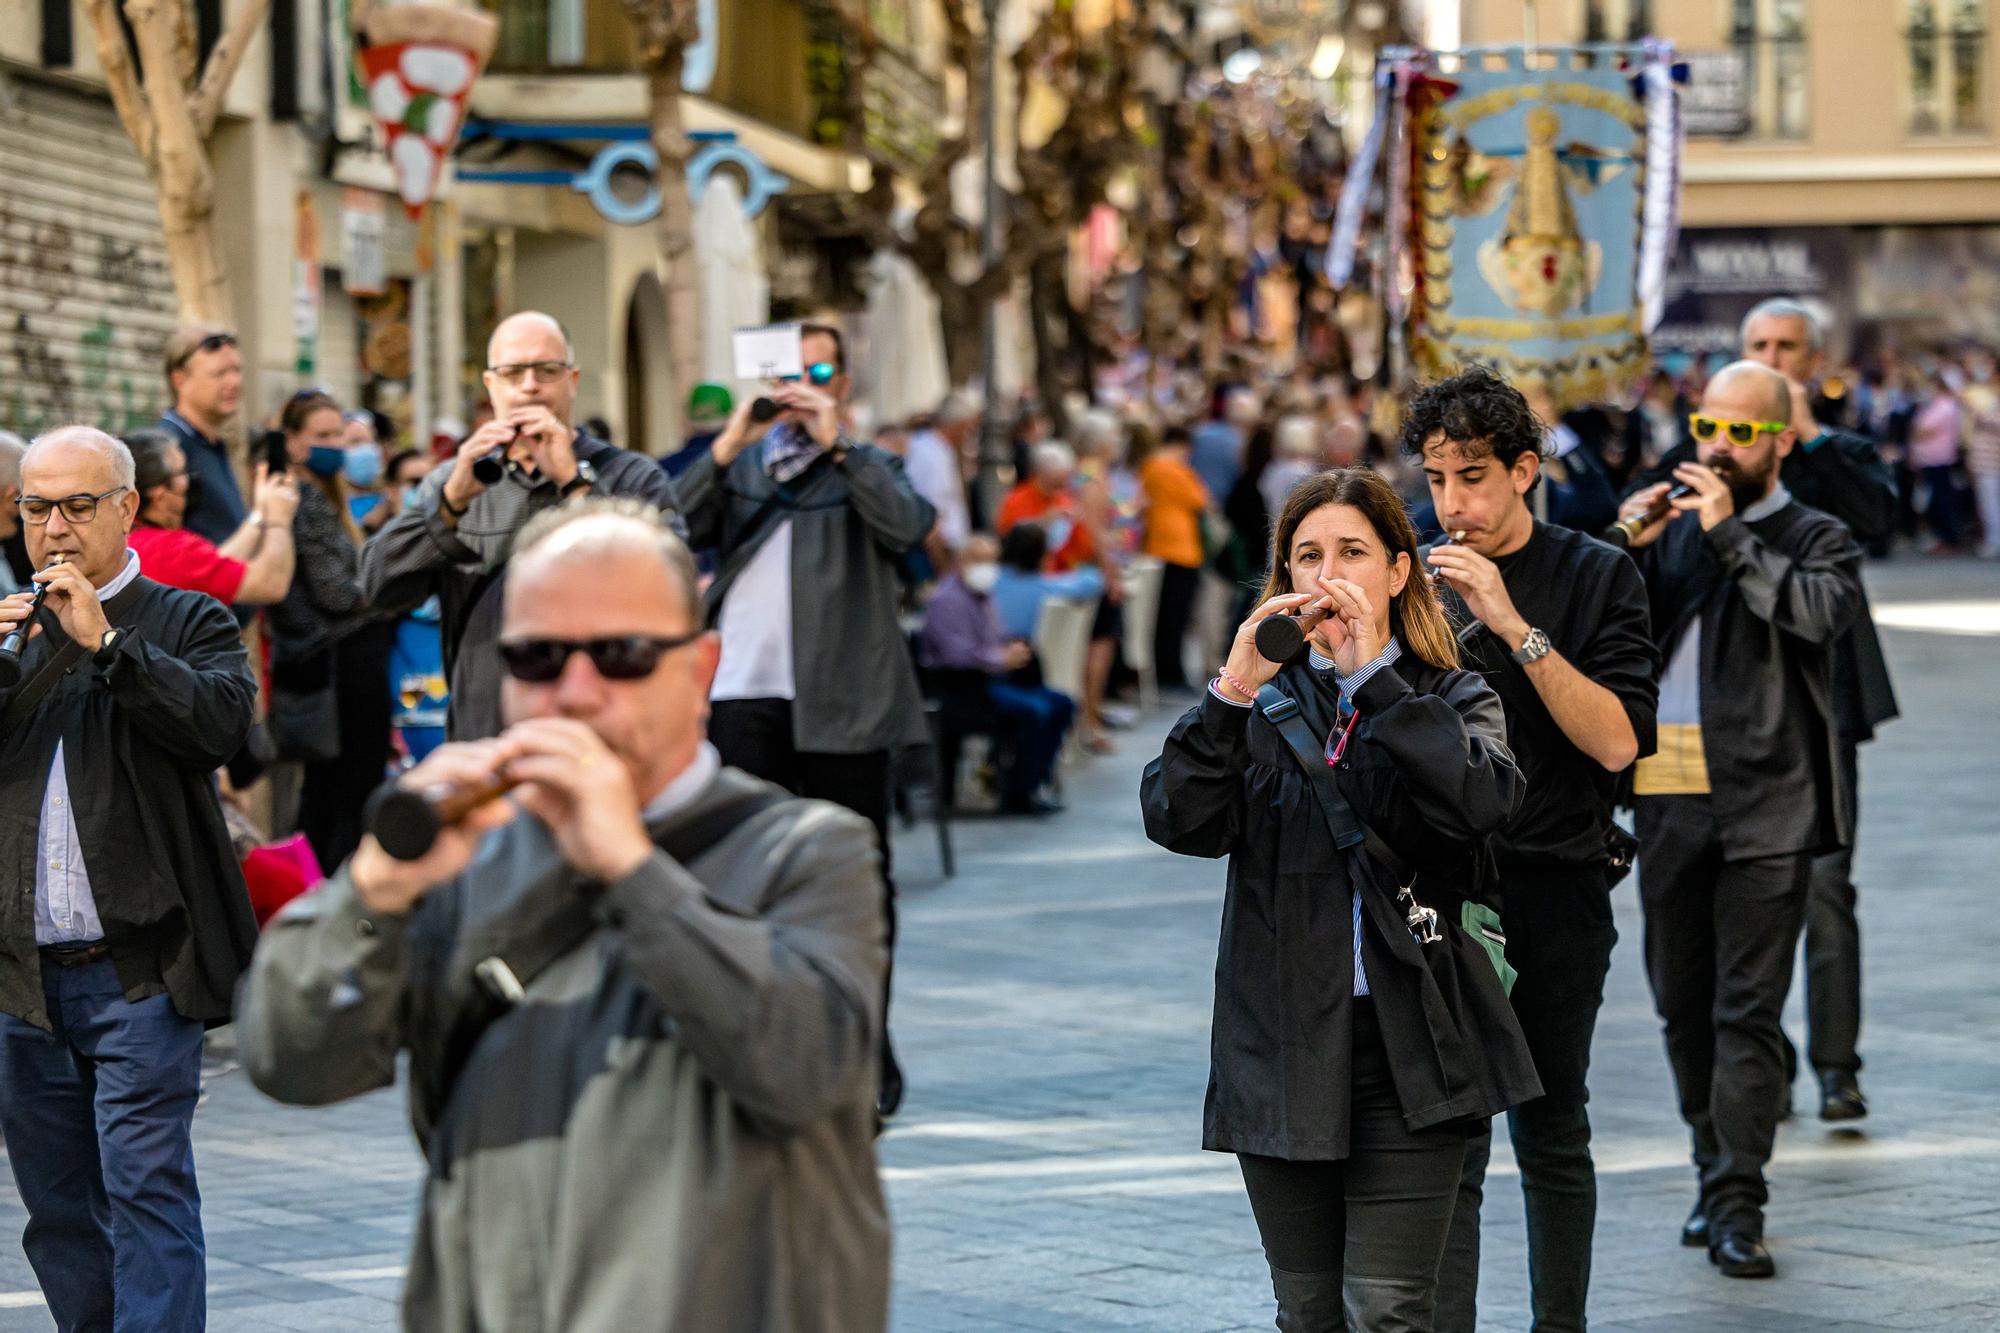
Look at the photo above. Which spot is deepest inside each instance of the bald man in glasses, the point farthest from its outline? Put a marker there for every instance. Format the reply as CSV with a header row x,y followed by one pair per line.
x,y
1750,593
454,541
642,995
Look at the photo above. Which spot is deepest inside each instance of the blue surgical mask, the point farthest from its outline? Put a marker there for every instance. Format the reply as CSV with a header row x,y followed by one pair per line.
x,y
412,493
364,465
326,460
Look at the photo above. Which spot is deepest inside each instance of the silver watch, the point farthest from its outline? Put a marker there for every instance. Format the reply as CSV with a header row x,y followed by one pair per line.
x,y
1534,648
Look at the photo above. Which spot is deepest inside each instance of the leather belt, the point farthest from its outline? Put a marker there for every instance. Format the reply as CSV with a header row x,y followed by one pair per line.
x,y
76,955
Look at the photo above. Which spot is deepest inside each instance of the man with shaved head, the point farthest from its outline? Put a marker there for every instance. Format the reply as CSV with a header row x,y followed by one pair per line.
x,y
128,925
642,995
454,542
1750,594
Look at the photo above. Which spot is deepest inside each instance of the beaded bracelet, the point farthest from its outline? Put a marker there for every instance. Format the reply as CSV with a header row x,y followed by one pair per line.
x,y
1223,675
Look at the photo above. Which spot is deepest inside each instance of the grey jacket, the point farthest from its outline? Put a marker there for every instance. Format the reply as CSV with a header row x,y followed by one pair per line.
x,y
855,690
418,554
673,1130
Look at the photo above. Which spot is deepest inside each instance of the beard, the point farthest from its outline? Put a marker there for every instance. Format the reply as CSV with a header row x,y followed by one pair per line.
x,y
1746,485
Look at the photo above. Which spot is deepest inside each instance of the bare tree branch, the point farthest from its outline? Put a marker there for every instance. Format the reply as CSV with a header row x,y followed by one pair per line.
x,y
120,78
206,103
187,46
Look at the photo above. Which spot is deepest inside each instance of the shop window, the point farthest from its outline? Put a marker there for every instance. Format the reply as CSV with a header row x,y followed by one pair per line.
x,y
1771,34
1617,20
1945,41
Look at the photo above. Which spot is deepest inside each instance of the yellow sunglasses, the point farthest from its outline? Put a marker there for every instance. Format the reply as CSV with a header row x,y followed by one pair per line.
x,y
1742,434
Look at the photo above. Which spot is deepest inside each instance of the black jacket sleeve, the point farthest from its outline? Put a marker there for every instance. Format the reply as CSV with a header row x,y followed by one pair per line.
x,y
1192,795
1450,752
1622,656
195,695
1814,594
1844,475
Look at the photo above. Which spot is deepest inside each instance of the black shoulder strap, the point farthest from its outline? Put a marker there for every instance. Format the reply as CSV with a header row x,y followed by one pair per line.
x,y
537,940
763,521
1282,711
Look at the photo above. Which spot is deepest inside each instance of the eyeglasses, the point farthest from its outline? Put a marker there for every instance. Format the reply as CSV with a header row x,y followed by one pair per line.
x,y
1742,434
819,373
214,342
75,508
623,657
545,372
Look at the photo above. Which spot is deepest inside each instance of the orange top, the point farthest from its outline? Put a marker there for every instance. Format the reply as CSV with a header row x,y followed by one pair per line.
x,y
1068,549
1175,501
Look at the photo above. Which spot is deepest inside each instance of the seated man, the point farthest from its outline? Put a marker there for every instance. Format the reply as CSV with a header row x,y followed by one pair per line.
x,y
963,647
642,997
1024,586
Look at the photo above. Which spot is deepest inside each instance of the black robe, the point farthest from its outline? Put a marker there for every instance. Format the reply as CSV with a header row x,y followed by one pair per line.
x,y
142,737
1777,597
1429,771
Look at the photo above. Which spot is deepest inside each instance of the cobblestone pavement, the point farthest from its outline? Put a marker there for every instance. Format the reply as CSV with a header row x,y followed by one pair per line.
x,y
1052,1012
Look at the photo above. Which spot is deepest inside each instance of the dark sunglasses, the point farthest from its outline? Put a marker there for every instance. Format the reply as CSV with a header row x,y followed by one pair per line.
x,y
214,342
623,657
1742,434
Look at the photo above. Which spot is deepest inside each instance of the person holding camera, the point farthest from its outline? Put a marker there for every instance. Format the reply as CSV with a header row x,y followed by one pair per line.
x,y
1361,1030
1557,623
1750,601
816,689
455,540
129,923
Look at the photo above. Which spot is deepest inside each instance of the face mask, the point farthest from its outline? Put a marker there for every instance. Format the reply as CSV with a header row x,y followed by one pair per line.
x,y
411,494
364,465
982,578
326,460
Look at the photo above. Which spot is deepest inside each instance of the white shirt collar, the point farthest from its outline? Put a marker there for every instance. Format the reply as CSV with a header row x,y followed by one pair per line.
x,y
681,792
124,578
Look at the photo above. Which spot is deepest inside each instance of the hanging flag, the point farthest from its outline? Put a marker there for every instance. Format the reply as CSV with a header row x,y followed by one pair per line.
x,y
1546,189
418,68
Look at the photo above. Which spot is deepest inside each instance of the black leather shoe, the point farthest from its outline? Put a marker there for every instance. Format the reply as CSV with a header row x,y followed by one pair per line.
x,y
1840,1097
1694,1231
1740,1255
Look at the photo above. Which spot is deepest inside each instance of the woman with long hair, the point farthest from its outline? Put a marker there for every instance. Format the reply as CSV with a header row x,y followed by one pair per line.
x,y
1360,1029
330,658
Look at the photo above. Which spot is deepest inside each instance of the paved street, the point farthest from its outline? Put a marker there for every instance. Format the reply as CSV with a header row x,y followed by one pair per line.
x,y
1052,1012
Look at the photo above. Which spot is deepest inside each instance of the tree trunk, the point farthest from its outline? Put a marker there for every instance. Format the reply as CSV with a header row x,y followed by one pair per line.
x,y
184,180
1048,302
675,229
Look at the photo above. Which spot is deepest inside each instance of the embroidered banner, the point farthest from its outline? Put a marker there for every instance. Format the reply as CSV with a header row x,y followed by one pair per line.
x,y
1529,204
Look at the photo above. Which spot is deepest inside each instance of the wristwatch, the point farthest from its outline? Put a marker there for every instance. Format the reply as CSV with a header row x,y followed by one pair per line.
x,y
1533,648
586,475
107,646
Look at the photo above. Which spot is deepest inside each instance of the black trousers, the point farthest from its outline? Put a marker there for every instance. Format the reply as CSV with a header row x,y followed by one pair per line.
x,y
1559,939
335,790
1833,956
1178,586
1720,939
1354,1245
755,735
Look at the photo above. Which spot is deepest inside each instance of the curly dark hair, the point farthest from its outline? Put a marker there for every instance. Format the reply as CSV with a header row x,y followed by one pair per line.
x,y
1476,410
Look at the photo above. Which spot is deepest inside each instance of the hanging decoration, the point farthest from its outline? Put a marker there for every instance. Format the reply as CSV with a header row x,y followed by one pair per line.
x,y
1531,209
418,67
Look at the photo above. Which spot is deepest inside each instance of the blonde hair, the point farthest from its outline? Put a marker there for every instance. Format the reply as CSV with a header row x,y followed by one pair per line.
x,y
1415,615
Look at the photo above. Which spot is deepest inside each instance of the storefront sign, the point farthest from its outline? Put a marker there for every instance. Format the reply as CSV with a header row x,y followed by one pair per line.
x,y
1715,103
364,269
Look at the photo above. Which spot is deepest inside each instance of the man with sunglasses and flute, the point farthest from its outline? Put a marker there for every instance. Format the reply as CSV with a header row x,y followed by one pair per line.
x,y
641,994
1751,593
126,924
454,541
816,689
1840,473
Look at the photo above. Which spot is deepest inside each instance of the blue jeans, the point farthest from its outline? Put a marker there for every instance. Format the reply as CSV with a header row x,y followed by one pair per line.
x,y
1037,720
98,1118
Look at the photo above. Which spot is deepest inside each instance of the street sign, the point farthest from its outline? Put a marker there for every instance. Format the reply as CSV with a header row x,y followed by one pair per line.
x,y
1715,103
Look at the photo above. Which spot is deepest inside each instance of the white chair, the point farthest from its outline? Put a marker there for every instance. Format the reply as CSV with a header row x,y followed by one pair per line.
x,y
1142,617
1062,641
